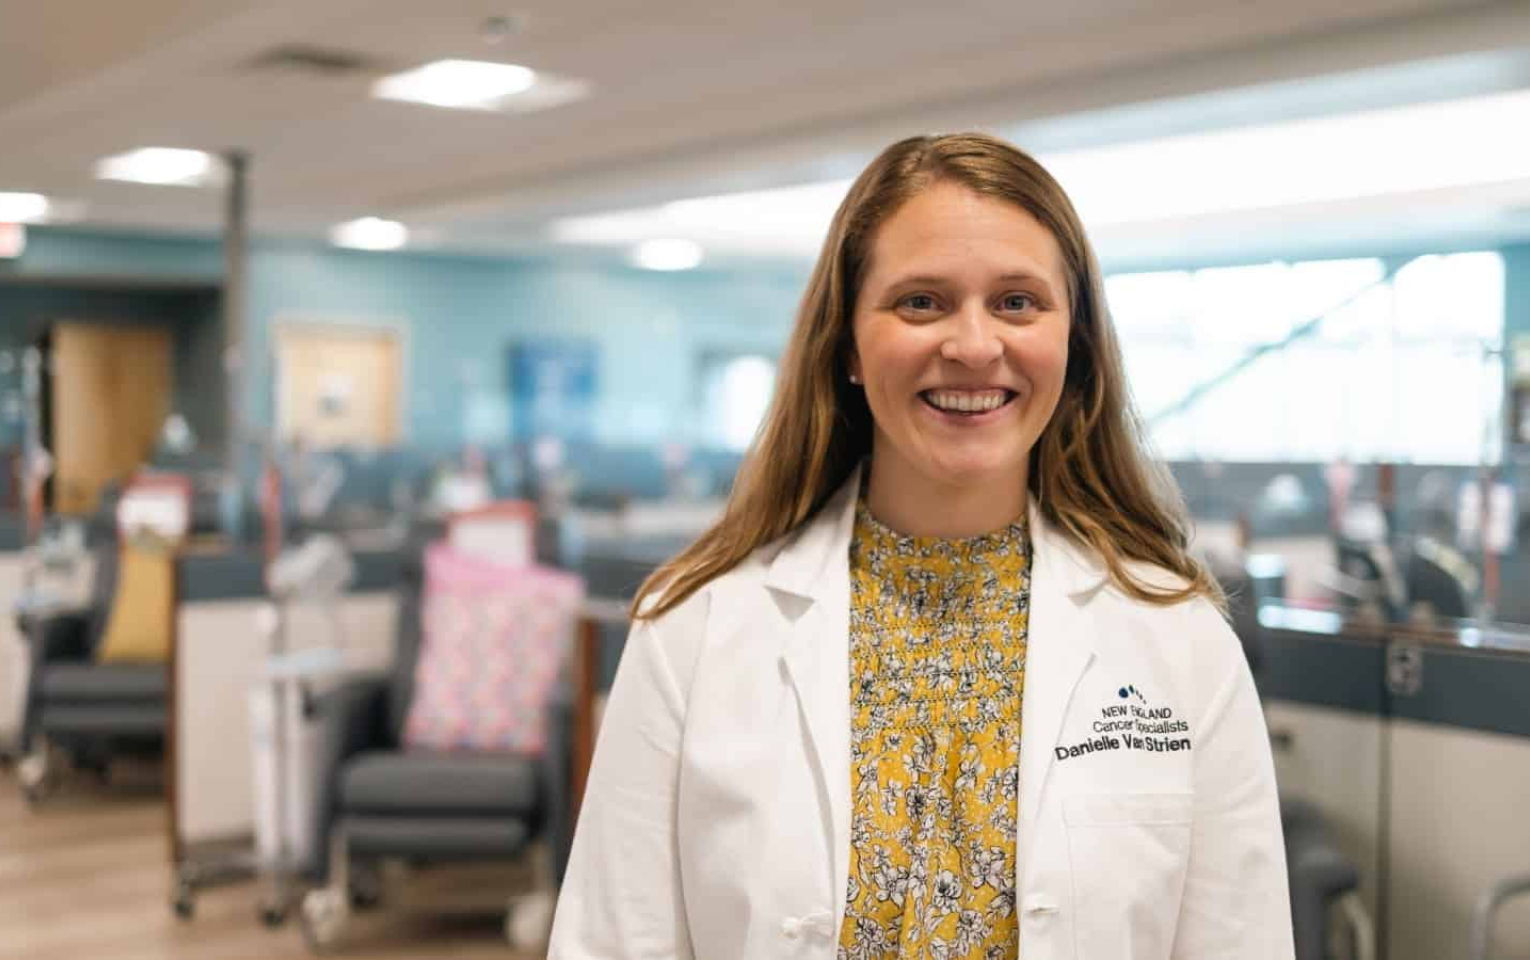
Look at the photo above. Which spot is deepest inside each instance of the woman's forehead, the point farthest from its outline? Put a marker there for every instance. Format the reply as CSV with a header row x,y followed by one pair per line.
x,y
949,231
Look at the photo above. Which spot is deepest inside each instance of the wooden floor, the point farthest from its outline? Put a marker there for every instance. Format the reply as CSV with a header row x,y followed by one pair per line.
x,y
86,875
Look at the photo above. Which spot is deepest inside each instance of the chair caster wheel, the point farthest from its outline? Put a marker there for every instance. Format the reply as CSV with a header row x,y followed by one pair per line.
x,y
37,776
272,915
183,902
366,888
529,923
322,917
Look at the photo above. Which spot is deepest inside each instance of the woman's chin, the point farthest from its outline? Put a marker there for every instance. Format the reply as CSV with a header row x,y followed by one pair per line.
x,y
975,472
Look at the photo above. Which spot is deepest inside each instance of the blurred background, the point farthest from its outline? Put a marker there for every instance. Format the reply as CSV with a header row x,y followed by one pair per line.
x,y
358,358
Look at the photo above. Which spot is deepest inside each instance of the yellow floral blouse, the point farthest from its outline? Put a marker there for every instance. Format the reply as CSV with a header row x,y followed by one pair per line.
x,y
937,672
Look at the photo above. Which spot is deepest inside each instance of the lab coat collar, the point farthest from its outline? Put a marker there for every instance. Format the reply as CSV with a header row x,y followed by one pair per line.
x,y
812,564
805,565
810,578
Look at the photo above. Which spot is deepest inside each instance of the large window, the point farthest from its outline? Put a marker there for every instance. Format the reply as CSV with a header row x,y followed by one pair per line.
x,y
736,391
1317,360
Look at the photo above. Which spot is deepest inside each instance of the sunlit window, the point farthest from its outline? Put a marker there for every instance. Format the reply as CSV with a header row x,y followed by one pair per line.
x,y
737,392
1313,361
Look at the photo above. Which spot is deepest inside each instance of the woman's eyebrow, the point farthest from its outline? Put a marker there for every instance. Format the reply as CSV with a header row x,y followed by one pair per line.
x,y
931,279
1026,276
920,278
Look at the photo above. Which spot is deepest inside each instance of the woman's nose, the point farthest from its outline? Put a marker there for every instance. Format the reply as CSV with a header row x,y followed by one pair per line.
x,y
972,339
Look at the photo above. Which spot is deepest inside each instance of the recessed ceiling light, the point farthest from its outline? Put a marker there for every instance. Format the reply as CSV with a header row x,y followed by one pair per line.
x,y
23,208
667,255
370,233
165,166
459,84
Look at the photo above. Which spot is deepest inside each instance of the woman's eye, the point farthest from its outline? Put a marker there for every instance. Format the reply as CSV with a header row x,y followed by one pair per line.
x,y
919,302
1018,302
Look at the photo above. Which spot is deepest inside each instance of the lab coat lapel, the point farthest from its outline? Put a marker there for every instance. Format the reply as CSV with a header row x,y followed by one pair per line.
x,y
810,579
1059,648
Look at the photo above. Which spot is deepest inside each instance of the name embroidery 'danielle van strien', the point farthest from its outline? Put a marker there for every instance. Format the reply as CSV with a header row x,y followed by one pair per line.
x,y
1132,726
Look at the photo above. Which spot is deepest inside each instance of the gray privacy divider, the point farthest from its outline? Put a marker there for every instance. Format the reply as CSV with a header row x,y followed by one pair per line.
x,y
1459,686
240,574
1325,671
1416,746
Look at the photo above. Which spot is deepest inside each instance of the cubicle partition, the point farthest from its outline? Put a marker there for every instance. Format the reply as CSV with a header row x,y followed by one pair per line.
x,y
223,642
1416,745
13,655
17,575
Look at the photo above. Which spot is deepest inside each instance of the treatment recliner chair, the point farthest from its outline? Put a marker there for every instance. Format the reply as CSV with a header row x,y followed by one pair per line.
x,y
375,800
90,711
1324,882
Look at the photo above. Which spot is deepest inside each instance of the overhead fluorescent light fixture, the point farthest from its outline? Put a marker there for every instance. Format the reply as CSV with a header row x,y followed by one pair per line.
x,y
24,208
1397,152
162,166
370,233
787,221
667,255
479,85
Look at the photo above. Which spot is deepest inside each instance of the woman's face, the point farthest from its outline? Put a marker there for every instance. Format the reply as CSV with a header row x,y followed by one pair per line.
x,y
961,339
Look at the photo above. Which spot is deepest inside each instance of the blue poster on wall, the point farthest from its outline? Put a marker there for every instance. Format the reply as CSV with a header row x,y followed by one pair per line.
x,y
552,389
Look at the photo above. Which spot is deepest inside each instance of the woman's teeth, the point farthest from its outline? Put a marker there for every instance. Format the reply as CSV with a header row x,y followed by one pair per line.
x,y
962,401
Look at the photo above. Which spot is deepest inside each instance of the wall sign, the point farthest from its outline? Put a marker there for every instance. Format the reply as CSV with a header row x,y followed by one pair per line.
x,y
552,389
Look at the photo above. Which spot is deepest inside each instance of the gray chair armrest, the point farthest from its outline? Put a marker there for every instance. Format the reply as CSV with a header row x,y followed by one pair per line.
x,y
1487,905
57,637
555,776
1319,874
349,719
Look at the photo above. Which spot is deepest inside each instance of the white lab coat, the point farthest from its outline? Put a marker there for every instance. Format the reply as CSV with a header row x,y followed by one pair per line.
x,y
716,823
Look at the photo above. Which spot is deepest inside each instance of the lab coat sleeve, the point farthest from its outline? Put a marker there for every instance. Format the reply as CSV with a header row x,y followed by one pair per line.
x,y
1236,902
621,897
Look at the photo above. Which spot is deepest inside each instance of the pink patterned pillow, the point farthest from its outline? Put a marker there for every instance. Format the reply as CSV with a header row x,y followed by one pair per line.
x,y
494,639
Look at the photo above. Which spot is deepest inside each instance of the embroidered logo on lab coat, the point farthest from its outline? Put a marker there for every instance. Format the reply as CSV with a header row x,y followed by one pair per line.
x,y
1130,723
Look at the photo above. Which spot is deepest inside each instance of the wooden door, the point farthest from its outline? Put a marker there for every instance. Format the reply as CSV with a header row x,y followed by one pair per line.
x,y
338,386
112,388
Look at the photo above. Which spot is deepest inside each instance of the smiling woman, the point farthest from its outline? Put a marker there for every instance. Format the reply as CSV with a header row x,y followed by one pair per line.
x,y
961,262
961,345
864,711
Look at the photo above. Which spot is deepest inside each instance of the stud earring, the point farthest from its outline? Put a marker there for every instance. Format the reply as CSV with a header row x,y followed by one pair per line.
x,y
854,379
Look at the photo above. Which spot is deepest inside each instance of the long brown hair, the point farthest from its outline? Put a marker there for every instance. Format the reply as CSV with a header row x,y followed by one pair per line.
x,y
1087,470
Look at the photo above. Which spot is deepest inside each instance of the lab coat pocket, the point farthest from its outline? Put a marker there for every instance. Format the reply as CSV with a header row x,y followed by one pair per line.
x,y
1128,852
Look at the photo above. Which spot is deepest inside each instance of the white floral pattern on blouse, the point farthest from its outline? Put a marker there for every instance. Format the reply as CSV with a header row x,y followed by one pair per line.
x,y
937,659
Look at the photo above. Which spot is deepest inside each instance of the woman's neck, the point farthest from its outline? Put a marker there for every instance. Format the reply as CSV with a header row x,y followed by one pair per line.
x,y
916,505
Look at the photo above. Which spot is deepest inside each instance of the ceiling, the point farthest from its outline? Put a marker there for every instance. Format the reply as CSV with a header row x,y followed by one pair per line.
x,y
691,97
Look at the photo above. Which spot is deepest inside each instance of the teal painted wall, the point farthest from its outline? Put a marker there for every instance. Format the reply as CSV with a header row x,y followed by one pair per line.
x,y
459,317
55,253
